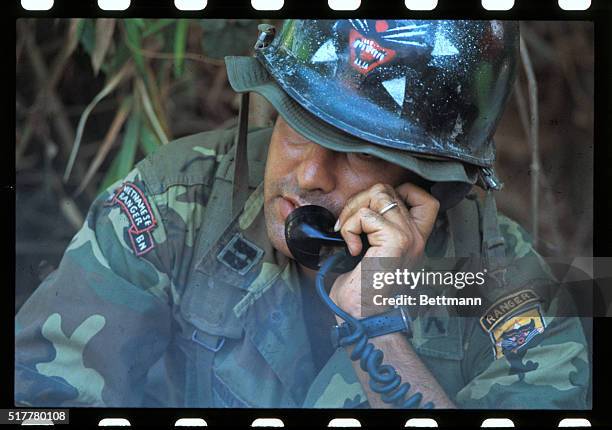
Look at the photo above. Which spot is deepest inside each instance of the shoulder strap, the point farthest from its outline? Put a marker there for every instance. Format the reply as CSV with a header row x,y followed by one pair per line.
x,y
241,162
464,225
218,213
476,236
476,233
493,243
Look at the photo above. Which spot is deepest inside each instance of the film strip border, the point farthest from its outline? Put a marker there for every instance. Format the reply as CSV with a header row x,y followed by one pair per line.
x,y
545,9
195,5
598,11
298,418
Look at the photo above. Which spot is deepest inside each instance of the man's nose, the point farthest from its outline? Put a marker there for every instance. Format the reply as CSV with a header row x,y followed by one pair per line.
x,y
317,169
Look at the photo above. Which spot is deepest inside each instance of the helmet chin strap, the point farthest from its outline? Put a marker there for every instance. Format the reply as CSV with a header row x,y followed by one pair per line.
x,y
241,162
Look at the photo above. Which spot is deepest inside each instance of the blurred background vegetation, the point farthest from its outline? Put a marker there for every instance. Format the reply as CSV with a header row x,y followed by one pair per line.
x,y
93,97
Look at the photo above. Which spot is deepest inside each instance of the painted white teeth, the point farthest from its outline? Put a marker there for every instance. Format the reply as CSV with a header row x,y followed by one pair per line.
x,y
367,46
361,64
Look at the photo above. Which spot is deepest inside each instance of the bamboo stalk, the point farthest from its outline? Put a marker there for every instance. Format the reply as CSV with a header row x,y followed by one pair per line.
x,y
104,148
126,70
148,107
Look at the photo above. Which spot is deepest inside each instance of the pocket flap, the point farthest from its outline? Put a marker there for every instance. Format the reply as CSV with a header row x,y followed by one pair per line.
x,y
208,304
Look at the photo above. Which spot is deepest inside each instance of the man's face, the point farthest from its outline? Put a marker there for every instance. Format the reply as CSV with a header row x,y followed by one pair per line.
x,y
299,172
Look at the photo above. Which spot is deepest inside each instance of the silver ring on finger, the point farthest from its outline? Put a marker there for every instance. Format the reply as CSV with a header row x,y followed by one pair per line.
x,y
387,208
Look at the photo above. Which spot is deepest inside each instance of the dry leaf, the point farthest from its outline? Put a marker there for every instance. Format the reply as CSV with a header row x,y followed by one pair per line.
x,y
105,28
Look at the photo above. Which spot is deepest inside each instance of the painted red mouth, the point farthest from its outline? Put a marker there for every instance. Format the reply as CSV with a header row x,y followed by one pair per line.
x,y
367,54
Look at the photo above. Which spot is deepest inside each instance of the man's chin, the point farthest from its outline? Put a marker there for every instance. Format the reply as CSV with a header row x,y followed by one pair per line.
x,y
276,236
283,248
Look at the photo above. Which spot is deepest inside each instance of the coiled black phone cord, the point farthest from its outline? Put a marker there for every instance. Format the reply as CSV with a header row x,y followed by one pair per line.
x,y
384,379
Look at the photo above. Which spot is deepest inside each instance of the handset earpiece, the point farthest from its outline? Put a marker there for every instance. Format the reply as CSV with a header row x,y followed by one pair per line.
x,y
310,236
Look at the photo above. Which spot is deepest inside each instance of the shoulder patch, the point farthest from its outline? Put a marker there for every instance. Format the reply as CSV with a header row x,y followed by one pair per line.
x,y
513,321
506,306
141,242
134,204
515,333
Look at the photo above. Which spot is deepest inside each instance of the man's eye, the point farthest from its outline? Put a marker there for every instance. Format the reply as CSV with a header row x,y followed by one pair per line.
x,y
364,156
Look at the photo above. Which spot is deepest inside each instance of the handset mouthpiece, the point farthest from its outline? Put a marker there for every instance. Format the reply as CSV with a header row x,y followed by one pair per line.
x,y
309,232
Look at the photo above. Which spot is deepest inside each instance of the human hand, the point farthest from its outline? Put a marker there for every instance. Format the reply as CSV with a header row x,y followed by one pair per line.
x,y
401,232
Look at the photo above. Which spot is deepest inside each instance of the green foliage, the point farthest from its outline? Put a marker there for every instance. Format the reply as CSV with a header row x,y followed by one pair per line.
x,y
132,54
216,42
148,141
156,26
133,41
87,35
124,161
179,46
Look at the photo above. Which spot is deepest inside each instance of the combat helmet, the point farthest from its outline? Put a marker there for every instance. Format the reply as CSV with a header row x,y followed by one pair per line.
x,y
426,95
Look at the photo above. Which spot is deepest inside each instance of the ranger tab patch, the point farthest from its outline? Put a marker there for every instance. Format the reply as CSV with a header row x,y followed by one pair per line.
x,y
513,321
136,207
506,306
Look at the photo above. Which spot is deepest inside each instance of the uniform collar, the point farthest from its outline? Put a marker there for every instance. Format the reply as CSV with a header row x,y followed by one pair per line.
x,y
249,228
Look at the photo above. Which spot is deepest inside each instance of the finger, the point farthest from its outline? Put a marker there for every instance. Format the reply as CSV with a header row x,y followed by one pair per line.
x,y
366,221
384,195
376,198
398,215
423,206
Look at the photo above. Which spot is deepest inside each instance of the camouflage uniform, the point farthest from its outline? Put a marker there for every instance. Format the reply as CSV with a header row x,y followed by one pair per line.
x,y
162,289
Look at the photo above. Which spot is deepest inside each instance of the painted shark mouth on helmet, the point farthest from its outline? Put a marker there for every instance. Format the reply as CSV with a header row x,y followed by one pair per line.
x,y
367,54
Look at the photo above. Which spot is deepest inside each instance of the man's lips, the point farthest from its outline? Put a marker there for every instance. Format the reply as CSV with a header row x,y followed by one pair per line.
x,y
287,204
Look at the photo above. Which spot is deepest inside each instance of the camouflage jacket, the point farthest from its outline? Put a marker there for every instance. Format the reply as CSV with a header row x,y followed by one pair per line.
x,y
163,299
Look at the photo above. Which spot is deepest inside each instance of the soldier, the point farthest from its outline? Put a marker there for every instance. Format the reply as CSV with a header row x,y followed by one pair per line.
x,y
180,290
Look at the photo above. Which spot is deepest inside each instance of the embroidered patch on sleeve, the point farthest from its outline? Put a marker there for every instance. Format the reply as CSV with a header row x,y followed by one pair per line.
x,y
136,207
141,242
513,321
507,306
515,334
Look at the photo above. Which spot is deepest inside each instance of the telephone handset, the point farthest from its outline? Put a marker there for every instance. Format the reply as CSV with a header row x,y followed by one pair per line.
x,y
313,243
310,236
